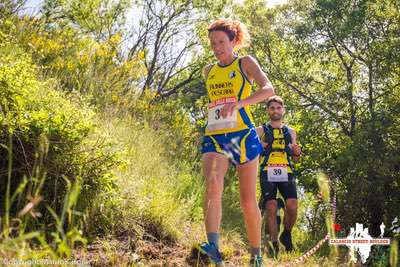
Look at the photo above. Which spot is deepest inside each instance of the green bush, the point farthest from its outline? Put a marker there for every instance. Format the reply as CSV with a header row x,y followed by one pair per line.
x,y
45,145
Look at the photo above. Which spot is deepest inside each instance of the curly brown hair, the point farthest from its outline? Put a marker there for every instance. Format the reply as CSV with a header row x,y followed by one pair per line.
x,y
234,29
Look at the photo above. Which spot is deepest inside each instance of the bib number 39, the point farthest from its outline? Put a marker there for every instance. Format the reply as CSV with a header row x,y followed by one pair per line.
x,y
277,173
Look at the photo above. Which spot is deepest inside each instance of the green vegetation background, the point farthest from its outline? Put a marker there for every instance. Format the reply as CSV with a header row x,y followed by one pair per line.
x,y
101,124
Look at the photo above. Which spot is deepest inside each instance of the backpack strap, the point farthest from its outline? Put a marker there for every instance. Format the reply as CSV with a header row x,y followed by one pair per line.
x,y
288,139
268,133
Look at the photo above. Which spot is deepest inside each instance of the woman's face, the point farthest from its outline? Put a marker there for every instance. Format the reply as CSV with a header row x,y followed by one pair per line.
x,y
221,45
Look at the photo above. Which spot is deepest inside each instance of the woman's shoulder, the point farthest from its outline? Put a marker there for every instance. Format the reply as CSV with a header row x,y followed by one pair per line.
x,y
247,59
207,69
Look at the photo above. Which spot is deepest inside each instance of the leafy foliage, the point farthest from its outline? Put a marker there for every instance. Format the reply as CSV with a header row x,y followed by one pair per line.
x,y
46,135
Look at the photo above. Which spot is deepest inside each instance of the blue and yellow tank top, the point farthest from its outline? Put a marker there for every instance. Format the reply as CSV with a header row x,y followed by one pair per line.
x,y
277,152
228,82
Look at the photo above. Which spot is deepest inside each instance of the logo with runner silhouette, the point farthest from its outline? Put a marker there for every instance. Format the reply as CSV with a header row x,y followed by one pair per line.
x,y
359,240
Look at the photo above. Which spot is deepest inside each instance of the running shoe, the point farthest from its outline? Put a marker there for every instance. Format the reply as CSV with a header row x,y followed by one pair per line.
x,y
211,250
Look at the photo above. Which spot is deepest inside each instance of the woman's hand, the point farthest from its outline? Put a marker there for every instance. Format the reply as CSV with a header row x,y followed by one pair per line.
x,y
228,109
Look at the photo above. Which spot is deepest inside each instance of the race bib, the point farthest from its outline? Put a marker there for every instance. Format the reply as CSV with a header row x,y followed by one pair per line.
x,y
216,121
277,173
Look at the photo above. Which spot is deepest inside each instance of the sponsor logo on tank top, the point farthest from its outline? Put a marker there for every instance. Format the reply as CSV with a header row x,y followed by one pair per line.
x,y
221,89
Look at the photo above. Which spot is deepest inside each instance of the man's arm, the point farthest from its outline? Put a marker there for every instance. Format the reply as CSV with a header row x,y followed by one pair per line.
x,y
295,147
260,133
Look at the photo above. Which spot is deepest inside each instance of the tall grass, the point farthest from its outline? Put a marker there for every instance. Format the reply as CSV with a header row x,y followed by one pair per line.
x,y
6,225
160,195
324,187
18,243
394,253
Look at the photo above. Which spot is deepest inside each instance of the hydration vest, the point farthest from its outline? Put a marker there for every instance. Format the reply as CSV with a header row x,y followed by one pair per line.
x,y
278,150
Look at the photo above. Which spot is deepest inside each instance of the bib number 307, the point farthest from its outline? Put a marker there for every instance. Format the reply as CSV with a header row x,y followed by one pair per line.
x,y
215,120
277,173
